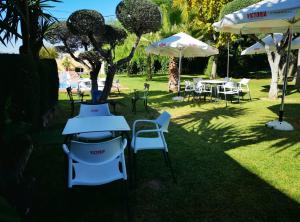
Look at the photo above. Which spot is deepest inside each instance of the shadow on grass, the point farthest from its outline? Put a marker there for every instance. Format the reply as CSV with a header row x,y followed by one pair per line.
x,y
211,185
290,89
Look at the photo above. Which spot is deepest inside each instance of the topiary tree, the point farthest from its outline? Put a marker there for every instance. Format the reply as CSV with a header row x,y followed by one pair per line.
x,y
66,42
136,16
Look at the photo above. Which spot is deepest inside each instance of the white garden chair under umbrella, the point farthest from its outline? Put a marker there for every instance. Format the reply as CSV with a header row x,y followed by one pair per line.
x,y
270,43
268,16
181,45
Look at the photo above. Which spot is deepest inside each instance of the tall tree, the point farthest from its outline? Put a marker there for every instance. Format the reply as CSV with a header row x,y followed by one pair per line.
x,y
32,19
136,16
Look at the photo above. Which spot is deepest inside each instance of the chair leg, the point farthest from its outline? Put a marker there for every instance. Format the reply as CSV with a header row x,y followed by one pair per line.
x,y
146,104
165,157
134,169
72,108
250,95
133,101
125,199
170,166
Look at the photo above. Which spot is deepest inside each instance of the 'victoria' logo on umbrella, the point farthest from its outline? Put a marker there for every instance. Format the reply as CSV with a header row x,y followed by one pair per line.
x,y
162,44
256,15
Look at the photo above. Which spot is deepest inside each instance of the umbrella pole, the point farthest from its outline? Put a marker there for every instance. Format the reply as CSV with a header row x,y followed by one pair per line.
x,y
281,111
179,72
227,59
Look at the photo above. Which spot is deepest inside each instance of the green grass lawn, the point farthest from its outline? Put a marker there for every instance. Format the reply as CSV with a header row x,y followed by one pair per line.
x,y
229,166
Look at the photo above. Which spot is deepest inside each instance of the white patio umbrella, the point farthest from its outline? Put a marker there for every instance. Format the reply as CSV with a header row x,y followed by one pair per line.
x,y
181,45
268,16
258,48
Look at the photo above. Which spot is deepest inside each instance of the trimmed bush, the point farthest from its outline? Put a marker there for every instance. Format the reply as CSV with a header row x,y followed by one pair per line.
x,y
49,84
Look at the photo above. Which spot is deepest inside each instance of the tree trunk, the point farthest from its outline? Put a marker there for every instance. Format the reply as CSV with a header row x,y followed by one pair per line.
x,y
297,84
274,64
214,67
94,76
111,71
173,75
149,68
25,47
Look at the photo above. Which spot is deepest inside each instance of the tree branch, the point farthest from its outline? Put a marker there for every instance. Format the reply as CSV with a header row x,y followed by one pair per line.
x,y
74,57
129,57
102,53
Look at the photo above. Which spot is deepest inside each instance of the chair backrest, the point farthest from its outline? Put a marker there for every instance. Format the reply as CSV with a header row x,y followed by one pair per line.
x,y
244,81
94,110
96,153
199,86
70,94
228,79
230,85
195,80
163,121
188,84
146,86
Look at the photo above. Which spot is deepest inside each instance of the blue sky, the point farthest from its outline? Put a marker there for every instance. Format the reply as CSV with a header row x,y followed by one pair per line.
x,y
66,7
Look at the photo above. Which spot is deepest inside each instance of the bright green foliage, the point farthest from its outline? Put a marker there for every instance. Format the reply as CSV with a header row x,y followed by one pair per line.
x,y
48,53
66,63
139,16
235,5
86,22
199,15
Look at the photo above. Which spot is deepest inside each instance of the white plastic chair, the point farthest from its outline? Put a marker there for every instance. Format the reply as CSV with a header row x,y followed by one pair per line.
x,y
244,87
198,89
94,110
141,142
227,79
96,163
207,90
228,89
189,88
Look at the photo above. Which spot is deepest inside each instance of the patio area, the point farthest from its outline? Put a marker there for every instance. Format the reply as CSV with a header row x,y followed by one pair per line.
x,y
229,166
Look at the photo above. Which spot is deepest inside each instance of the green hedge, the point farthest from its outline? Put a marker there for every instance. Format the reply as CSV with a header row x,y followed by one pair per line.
x,y
49,84
19,89
28,89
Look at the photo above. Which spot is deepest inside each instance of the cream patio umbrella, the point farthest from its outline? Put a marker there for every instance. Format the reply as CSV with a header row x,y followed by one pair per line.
x,y
270,43
268,16
181,45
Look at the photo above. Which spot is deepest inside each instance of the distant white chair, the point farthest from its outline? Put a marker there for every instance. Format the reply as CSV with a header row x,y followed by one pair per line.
x,y
141,142
116,85
227,79
96,163
196,80
189,88
94,110
229,89
244,87
207,90
198,89
84,85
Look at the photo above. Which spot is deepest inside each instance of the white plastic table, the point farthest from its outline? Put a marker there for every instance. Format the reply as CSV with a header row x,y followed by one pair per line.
x,y
95,124
213,81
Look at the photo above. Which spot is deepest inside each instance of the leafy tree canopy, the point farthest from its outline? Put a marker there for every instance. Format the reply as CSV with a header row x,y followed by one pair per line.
x,y
59,33
139,16
86,22
235,5
113,35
